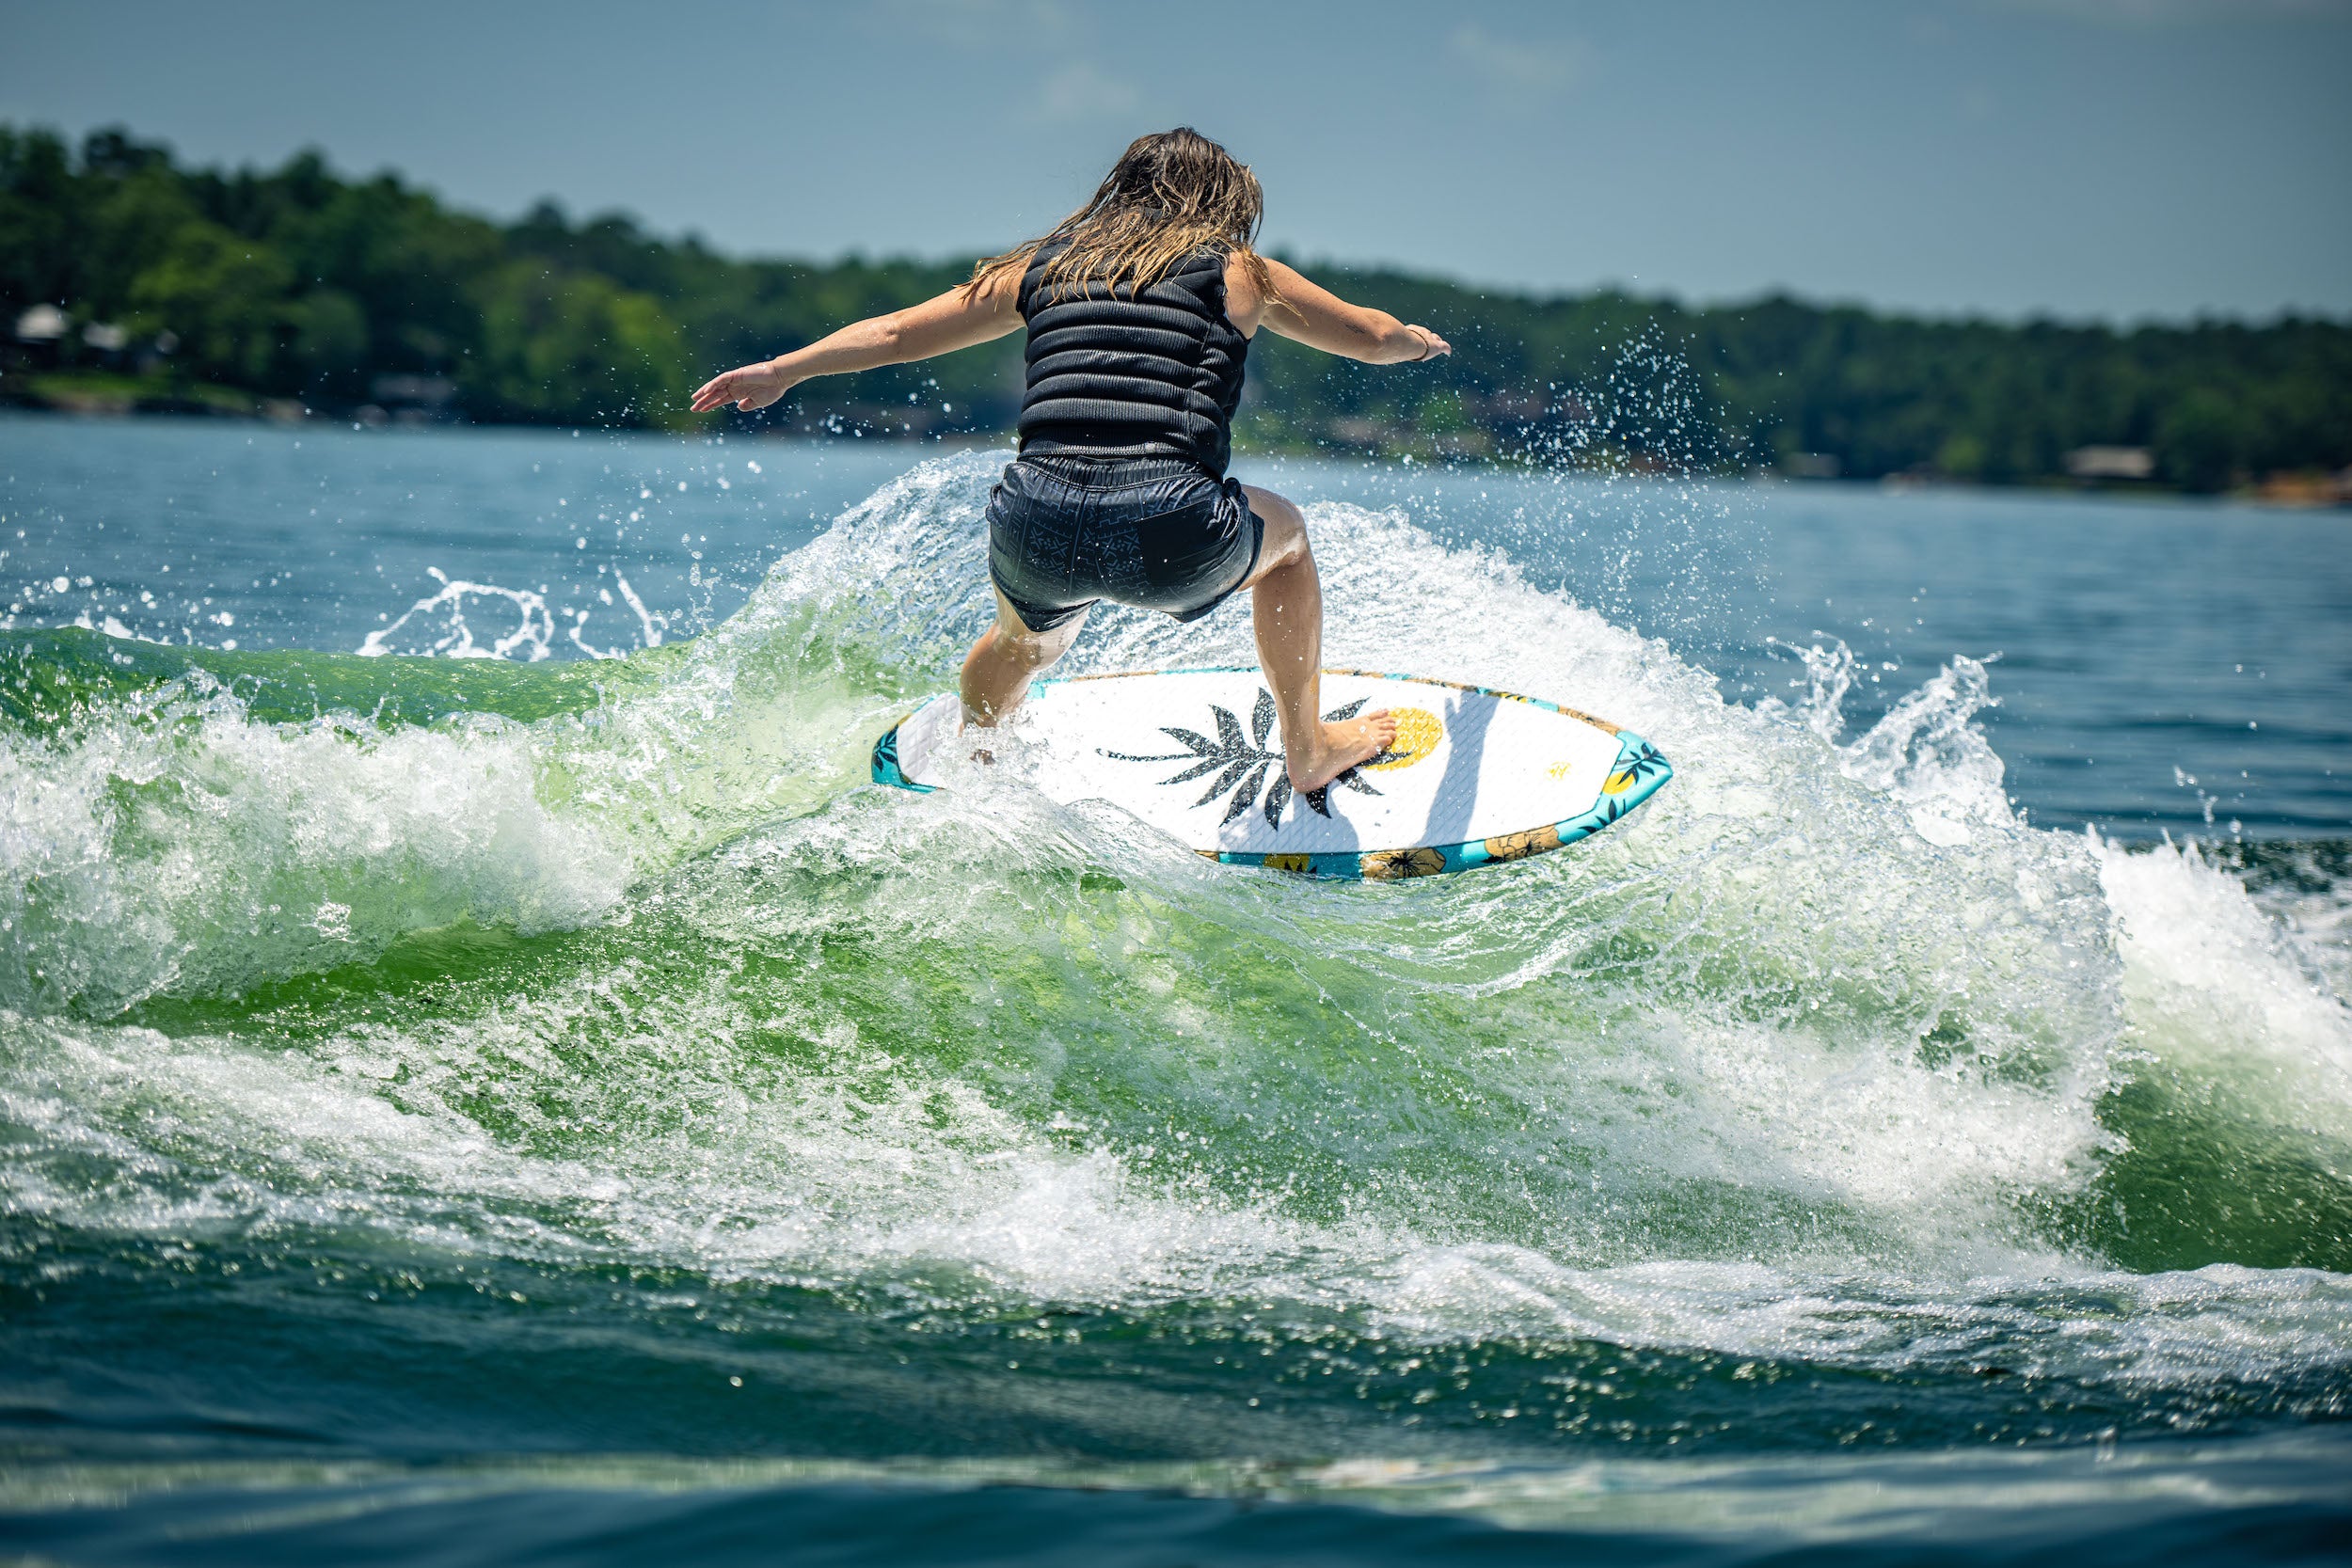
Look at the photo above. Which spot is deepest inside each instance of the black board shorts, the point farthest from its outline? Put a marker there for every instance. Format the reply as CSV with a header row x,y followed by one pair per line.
x,y
1156,532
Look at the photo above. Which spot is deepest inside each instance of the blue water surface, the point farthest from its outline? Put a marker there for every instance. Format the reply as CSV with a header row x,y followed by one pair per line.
x,y
2141,643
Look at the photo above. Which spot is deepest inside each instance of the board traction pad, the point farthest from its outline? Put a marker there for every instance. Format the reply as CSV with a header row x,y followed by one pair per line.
x,y
1640,771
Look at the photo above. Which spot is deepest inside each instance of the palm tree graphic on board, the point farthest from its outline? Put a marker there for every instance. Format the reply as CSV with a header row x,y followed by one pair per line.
x,y
1242,762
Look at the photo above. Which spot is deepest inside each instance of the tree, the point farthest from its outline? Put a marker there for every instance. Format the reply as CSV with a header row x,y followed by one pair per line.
x,y
576,349
224,297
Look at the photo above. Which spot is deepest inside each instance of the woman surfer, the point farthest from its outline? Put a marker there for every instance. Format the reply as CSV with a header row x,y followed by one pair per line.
x,y
1139,308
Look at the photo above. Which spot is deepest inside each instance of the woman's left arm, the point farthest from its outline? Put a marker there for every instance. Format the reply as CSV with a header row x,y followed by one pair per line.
x,y
1303,309
957,319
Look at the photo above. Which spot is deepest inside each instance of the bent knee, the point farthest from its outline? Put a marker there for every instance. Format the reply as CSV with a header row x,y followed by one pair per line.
x,y
1285,538
1033,652
1038,649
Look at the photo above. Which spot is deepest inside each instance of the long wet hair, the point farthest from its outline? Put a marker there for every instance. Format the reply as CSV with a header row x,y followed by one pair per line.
x,y
1171,194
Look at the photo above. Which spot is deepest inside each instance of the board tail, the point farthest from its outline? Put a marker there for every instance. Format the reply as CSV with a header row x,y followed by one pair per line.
x,y
885,762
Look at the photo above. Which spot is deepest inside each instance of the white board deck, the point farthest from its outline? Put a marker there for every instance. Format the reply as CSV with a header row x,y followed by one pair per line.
x,y
1475,776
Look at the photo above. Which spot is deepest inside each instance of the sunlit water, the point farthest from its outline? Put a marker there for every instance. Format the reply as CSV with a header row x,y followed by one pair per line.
x,y
550,1101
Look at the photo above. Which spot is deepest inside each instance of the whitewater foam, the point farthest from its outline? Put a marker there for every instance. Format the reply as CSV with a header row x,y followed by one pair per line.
x,y
1803,1061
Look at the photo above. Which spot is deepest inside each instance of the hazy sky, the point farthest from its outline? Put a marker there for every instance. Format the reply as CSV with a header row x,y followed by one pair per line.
x,y
2120,158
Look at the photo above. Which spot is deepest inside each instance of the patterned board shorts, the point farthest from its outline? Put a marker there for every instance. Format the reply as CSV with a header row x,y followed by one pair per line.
x,y
1156,532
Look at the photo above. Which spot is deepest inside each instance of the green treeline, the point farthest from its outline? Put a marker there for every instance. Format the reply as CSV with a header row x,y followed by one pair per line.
x,y
182,286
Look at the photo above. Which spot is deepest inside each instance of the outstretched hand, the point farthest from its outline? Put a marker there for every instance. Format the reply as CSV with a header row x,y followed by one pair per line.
x,y
1433,346
748,386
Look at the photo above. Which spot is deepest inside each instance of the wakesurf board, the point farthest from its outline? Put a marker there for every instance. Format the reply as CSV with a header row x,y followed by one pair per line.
x,y
1474,777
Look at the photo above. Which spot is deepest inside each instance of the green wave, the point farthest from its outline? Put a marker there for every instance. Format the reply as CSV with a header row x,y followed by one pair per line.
x,y
48,677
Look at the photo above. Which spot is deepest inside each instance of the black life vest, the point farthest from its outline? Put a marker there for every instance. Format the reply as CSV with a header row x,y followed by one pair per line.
x,y
1150,373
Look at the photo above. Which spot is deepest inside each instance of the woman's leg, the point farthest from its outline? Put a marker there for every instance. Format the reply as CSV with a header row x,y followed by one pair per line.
x,y
1286,609
996,672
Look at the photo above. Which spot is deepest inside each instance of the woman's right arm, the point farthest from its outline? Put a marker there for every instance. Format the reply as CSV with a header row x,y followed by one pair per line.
x,y
1320,319
957,319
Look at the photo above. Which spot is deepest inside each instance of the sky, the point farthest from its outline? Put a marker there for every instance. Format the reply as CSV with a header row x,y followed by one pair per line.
x,y
2111,159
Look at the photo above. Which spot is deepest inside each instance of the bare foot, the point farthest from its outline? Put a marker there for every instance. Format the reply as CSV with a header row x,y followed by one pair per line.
x,y
1337,749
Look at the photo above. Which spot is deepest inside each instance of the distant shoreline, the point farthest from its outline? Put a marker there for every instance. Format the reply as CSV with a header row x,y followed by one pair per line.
x,y
132,282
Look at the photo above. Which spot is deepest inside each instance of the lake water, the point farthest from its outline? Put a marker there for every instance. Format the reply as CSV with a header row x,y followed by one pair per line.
x,y
548,1106
2135,645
